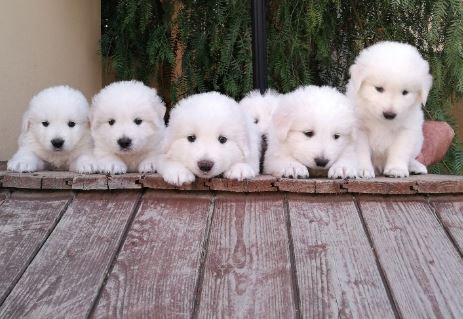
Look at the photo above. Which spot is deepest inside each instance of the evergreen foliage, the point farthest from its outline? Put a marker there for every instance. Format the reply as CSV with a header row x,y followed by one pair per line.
x,y
309,42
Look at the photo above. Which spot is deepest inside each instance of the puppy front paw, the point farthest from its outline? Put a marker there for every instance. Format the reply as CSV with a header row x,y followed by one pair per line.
x,y
342,171
396,172
178,175
147,166
366,172
292,169
84,165
416,168
240,172
24,165
113,167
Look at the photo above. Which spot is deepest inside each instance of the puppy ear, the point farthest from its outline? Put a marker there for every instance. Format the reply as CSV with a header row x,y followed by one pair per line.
x,y
281,121
425,88
26,122
357,76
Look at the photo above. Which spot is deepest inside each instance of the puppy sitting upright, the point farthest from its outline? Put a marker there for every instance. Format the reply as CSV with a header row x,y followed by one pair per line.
x,y
209,134
127,126
55,133
389,83
312,127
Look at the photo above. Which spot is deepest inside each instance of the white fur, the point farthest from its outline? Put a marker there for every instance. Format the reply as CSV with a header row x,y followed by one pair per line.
x,y
389,146
57,106
260,108
323,111
208,116
124,102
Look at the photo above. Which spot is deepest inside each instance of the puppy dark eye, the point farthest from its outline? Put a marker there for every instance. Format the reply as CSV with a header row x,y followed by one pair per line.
x,y
222,139
71,124
137,121
309,133
404,92
191,138
336,136
380,89
45,123
111,122
256,120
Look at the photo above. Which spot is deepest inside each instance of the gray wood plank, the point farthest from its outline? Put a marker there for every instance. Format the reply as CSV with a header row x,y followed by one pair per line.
x,y
26,220
336,268
157,269
64,278
247,271
422,267
450,211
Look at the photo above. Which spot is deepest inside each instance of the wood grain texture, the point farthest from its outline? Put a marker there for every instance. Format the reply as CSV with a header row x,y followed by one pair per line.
x,y
64,278
26,220
157,269
155,181
421,265
450,211
247,271
261,183
125,181
382,185
438,184
336,269
22,180
90,182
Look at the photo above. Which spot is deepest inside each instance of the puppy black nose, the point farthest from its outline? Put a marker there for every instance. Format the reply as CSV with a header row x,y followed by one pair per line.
x,y
321,162
389,115
124,142
205,165
57,143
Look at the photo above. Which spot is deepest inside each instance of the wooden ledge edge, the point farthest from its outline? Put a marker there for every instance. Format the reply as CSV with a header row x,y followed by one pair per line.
x,y
52,180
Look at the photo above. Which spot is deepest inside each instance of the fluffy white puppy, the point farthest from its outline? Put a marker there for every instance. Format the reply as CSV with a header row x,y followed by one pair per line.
x,y
127,126
260,108
209,134
389,82
55,133
312,127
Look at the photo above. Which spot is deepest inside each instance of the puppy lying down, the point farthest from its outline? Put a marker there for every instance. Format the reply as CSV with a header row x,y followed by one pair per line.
x,y
55,133
389,83
127,122
208,135
312,127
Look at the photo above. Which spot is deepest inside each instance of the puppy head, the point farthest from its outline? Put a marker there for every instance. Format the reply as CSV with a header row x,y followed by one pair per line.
x,y
388,79
57,119
208,133
315,124
126,118
260,108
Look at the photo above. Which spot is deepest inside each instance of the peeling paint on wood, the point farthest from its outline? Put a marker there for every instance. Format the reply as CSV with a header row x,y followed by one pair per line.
x,y
335,264
64,278
247,270
422,267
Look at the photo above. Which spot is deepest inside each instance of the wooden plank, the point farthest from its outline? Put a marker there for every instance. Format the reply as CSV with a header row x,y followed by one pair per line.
x,y
57,180
262,183
295,185
26,220
125,181
157,269
22,180
450,211
3,195
64,278
382,185
422,267
90,182
438,184
155,181
247,271
336,269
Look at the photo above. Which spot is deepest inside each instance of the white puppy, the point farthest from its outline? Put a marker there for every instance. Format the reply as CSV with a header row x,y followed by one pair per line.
x,y
312,127
260,108
55,133
209,134
389,83
127,127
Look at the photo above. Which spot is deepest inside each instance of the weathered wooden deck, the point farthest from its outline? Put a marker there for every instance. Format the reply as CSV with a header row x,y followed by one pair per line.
x,y
74,246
